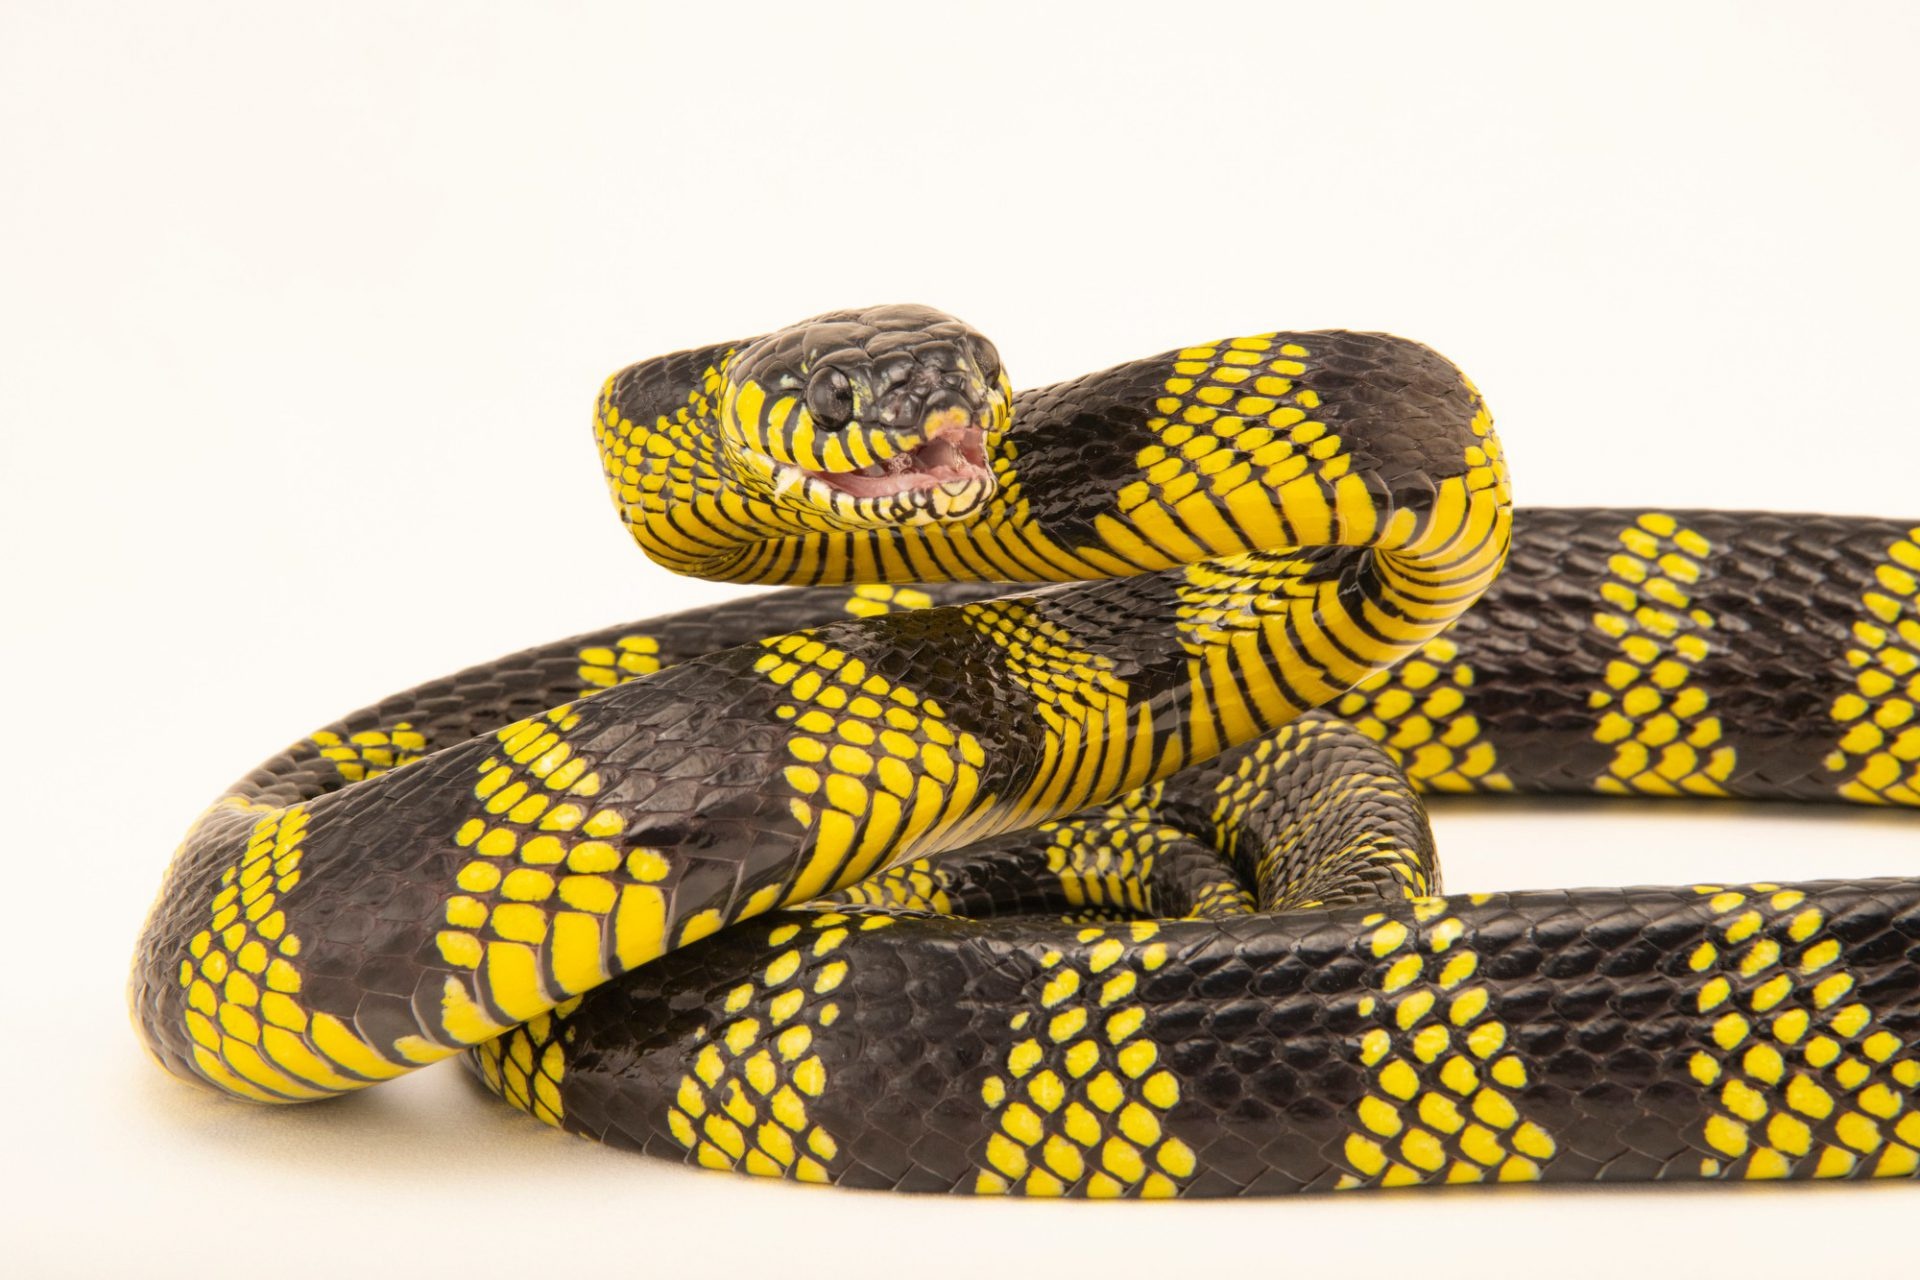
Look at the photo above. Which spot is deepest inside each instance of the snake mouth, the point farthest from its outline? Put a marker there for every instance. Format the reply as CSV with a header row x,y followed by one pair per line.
x,y
957,455
944,477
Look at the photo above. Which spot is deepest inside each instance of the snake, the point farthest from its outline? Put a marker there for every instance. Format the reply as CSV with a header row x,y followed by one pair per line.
x,y
1059,828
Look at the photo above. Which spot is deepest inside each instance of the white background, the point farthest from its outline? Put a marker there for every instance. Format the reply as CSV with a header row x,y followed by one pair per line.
x,y
303,307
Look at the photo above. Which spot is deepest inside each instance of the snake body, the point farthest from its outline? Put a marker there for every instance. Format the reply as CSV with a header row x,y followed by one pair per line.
x,y
1115,887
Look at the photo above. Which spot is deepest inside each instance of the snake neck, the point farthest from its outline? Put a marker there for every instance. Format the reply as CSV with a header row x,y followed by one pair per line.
x,y
1273,445
1275,518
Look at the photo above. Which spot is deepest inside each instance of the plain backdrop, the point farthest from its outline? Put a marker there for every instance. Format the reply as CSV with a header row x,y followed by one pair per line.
x,y
303,308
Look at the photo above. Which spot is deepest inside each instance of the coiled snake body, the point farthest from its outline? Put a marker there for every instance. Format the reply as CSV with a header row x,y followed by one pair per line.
x,y
1118,887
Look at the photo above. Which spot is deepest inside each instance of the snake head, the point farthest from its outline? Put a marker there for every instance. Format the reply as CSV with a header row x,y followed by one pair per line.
x,y
875,417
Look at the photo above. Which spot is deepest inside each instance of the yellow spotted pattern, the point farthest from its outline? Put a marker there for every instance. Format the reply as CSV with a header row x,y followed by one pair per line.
x,y
549,896
252,1035
870,600
1268,638
1082,1097
876,767
1243,458
371,752
526,1065
744,1103
1244,662
1801,1076
1079,700
1665,738
1442,1081
1220,898
1879,749
1106,866
1418,712
547,893
654,468
603,666
1233,429
1275,864
915,885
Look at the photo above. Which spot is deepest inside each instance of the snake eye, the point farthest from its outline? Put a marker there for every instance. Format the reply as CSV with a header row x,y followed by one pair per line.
x,y
830,399
986,359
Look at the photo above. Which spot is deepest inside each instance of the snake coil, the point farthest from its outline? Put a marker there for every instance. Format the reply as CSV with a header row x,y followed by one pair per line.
x,y
1119,884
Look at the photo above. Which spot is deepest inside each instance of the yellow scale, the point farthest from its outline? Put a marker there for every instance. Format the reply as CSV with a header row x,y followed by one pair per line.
x,y
1657,720
1418,711
1237,792
549,892
914,885
252,1035
1083,1094
1792,1086
603,666
1879,751
1443,1081
526,1065
549,898
877,769
1106,865
744,1104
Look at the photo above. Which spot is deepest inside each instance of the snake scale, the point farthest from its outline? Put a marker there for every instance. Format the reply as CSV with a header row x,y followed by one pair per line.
x,y
1117,884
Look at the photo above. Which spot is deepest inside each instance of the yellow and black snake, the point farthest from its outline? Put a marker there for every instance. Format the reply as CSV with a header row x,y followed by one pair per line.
x,y
1118,887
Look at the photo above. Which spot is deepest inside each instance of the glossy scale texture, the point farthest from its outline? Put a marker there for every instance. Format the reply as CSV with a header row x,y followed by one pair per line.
x,y
916,883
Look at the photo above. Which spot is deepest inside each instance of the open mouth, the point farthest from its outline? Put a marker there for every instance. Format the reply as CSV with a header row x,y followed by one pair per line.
x,y
945,477
956,456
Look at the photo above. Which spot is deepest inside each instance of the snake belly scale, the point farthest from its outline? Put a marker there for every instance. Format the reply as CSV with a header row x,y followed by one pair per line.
x,y
1115,883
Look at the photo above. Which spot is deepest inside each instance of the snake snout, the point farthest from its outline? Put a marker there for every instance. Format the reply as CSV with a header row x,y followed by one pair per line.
x,y
912,405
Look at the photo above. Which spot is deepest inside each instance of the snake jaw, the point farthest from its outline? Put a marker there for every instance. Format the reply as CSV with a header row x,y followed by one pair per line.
x,y
944,476
953,450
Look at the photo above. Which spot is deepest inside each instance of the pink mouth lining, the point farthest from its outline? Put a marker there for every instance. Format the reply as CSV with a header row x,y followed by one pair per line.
x,y
957,455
